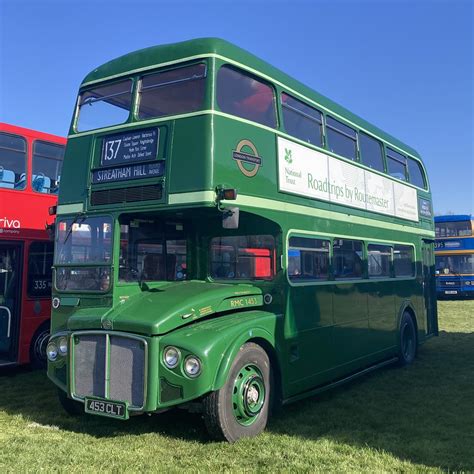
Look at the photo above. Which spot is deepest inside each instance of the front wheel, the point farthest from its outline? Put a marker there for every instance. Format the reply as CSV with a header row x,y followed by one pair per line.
x,y
240,408
71,407
38,345
407,343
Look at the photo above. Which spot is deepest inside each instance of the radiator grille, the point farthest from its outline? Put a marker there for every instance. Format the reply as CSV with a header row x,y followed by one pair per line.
x,y
122,195
124,365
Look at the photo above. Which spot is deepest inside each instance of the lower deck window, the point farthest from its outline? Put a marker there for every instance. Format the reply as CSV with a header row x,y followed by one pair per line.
x,y
243,257
403,261
348,259
308,259
379,258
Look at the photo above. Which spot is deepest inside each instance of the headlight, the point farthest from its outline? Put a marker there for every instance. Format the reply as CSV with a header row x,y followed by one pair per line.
x,y
468,282
62,346
52,351
171,357
192,366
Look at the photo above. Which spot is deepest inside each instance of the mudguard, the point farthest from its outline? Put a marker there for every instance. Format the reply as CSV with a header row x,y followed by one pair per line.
x,y
216,342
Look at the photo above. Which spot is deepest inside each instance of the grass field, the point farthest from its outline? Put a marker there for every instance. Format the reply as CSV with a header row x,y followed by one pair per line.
x,y
419,418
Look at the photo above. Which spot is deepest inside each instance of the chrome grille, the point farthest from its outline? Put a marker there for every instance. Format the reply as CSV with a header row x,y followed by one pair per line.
x,y
110,366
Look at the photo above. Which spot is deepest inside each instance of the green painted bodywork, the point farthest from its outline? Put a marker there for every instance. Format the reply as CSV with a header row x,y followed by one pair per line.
x,y
314,333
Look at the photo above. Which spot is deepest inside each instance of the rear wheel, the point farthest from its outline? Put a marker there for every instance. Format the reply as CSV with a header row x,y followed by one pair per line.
x,y
407,340
71,407
38,345
240,408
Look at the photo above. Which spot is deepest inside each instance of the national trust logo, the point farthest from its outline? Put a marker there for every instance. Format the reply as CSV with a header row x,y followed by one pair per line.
x,y
247,158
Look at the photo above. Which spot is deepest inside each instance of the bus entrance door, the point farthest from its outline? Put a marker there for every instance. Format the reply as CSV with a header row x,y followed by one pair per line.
x,y
10,261
429,286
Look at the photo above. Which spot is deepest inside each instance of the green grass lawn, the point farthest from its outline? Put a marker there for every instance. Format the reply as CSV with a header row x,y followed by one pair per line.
x,y
419,418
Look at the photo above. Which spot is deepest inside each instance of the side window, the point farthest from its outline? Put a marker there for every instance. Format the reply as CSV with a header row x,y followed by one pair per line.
x,y
348,260
341,138
378,259
172,92
301,120
308,259
12,161
40,261
243,257
403,261
47,164
371,152
245,96
396,164
416,174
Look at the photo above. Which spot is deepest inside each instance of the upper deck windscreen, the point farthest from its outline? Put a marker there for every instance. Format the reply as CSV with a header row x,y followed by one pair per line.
x,y
168,92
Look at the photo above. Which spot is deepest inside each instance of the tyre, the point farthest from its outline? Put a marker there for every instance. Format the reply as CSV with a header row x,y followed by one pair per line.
x,y
71,407
38,345
407,344
241,407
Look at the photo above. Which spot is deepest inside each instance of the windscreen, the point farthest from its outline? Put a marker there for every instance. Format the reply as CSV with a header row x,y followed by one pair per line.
x,y
84,240
455,264
104,106
175,91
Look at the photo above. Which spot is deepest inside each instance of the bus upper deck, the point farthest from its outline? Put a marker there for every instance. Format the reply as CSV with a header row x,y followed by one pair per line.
x,y
189,88
30,170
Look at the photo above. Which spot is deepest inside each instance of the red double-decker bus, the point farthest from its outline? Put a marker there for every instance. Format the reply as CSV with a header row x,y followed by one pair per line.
x,y
30,172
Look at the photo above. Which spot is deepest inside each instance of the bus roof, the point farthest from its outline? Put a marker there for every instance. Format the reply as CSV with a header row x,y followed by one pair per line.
x,y
15,129
155,55
453,218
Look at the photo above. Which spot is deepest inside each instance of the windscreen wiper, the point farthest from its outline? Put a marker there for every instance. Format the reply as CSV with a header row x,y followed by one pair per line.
x,y
75,221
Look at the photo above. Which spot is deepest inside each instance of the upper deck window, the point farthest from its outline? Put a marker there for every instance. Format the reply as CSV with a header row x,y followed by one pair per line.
x,y
245,96
341,138
371,152
416,173
301,120
104,106
12,161
47,164
453,229
396,164
172,92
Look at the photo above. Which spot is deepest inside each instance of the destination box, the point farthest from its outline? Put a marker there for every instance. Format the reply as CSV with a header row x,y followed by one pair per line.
x,y
125,173
130,147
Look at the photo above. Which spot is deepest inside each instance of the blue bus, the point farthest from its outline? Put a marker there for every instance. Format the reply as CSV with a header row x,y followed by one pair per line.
x,y
454,253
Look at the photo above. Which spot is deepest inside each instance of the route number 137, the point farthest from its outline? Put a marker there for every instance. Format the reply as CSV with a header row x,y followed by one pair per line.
x,y
111,149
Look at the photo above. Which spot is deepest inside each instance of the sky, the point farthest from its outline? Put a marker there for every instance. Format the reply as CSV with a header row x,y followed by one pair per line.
x,y
403,65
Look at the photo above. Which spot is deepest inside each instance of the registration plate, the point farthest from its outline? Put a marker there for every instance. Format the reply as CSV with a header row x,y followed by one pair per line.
x,y
450,292
98,406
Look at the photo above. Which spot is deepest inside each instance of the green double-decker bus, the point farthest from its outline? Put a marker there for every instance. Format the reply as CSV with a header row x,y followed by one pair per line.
x,y
229,240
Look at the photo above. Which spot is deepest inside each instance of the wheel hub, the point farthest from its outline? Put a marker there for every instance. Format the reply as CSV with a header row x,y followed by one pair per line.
x,y
248,396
